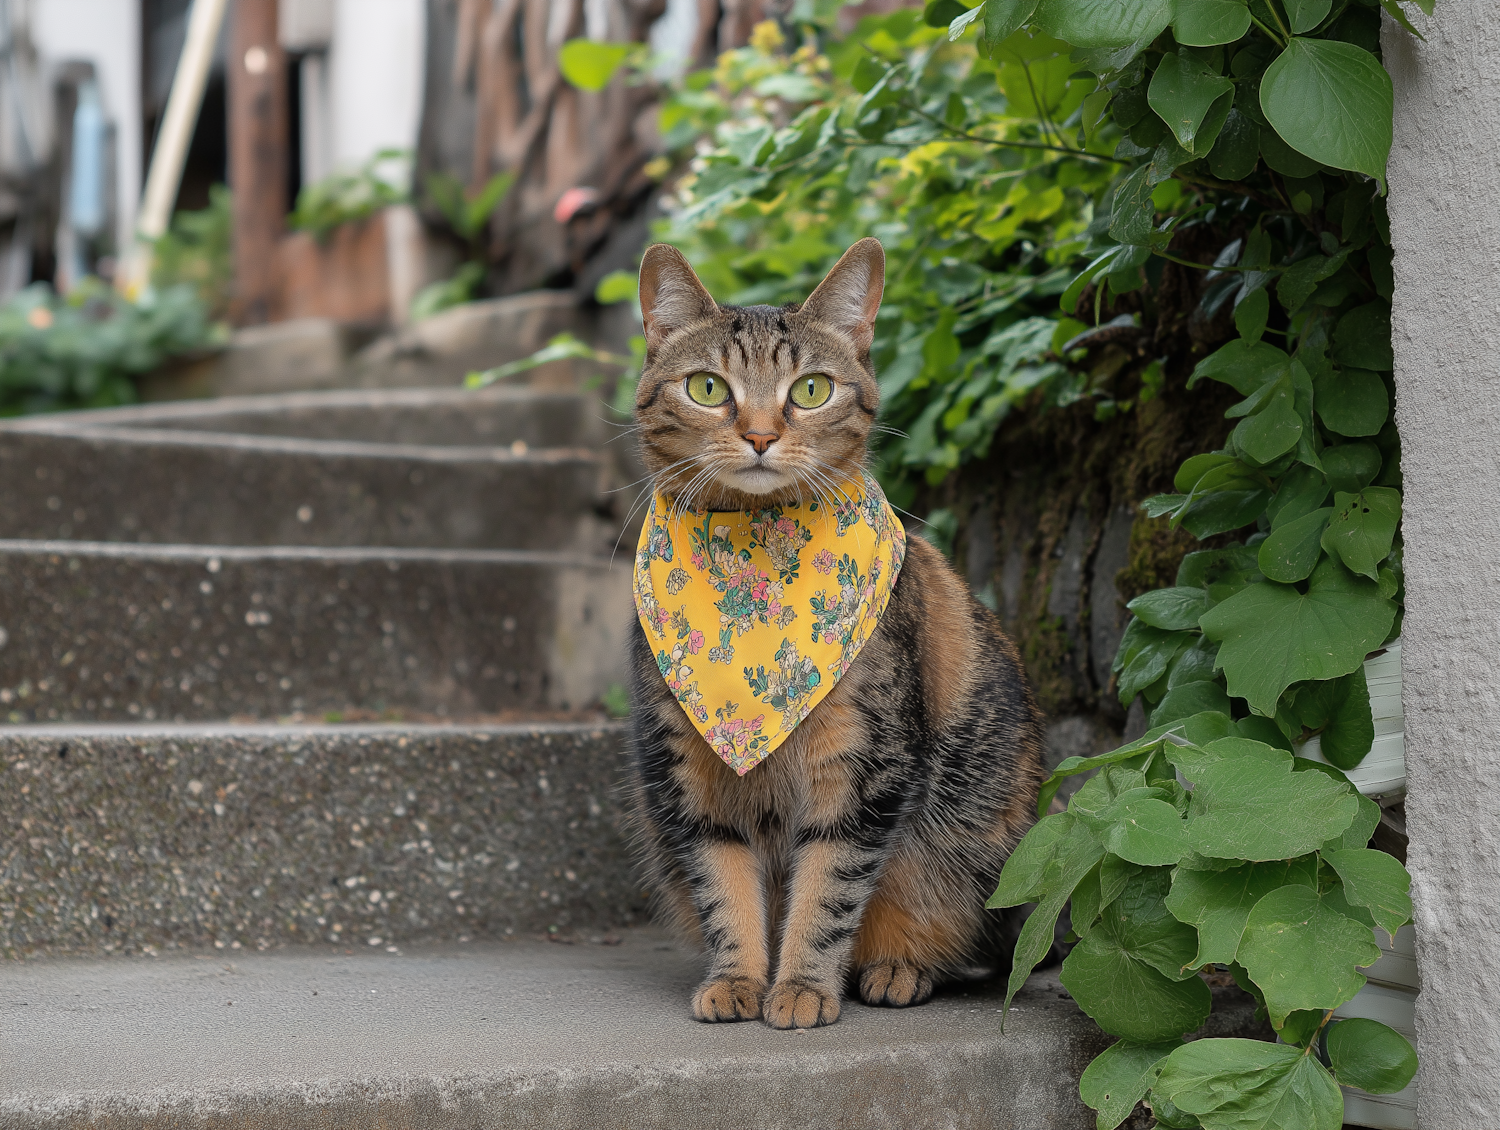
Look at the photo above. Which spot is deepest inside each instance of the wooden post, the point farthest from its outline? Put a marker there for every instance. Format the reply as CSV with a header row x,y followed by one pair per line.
x,y
258,141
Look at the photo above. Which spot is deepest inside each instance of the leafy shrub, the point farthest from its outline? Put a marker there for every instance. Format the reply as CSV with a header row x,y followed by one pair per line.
x,y
197,251
85,350
345,197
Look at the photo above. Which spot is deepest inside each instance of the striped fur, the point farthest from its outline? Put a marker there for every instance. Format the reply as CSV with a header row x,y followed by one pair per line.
x,y
865,846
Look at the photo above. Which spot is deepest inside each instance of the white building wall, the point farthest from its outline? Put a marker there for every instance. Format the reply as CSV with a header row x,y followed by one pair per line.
x,y
375,77
1443,206
106,33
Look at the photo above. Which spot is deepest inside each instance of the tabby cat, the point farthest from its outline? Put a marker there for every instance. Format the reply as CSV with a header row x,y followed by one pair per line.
x,y
865,845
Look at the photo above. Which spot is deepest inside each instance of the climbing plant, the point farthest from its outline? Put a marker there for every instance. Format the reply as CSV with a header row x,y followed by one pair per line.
x,y
1210,842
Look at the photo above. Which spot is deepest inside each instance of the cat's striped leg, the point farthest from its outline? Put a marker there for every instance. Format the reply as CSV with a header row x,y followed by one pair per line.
x,y
728,891
831,883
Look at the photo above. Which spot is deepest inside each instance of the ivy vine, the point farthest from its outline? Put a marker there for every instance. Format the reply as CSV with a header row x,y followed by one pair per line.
x,y
1209,842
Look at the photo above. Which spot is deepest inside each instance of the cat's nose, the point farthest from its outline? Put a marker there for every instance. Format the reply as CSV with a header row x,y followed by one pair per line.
x,y
761,440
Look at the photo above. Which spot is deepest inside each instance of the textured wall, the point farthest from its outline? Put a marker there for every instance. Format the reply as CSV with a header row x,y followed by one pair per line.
x,y
1444,204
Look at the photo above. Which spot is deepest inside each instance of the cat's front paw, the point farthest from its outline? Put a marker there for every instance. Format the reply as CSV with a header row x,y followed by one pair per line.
x,y
895,984
728,998
798,1004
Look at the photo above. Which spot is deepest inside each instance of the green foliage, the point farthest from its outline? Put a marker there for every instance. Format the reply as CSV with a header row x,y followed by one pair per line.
x,y
349,196
589,65
956,159
84,351
196,251
1245,867
468,218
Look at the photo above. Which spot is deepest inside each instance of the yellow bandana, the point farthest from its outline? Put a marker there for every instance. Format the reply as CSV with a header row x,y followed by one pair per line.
x,y
791,593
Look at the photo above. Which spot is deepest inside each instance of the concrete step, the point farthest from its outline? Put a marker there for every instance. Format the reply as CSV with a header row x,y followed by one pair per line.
x,y
149,839
446,417
96,631
362,469
521,1035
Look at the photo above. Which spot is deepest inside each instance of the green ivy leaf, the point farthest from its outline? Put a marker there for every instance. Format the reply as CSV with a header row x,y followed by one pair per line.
x,y
1128,974
1237,150
1352,402
1217,903
1022,879
1358,834
1207,23
1143,657
1302,953
1242,365
1075,858
588,64
1350,728
1002,18
1368,1055
1306,14
1182,92
1297,282
1303,489
1251,313
1173,608
1141,828
1223,510
1273,636
1282,158
1275,428
1119,1077
1104,23
1363,527
1250,1085
1350,467
1291,550
1188,699
1134,214
941,13
1377,882
1194,664
1331,101
1258,809
1362,338
1219,572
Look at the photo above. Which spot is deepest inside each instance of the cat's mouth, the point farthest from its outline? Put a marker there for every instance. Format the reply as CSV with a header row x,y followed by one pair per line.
x,y
757,478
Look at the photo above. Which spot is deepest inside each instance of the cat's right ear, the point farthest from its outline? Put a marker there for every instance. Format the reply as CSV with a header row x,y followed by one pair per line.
x,y
671,295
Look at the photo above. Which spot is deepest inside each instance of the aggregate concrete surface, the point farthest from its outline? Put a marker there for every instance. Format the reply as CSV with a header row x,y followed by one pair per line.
x,y
196,633
169,485
503,1035
146,838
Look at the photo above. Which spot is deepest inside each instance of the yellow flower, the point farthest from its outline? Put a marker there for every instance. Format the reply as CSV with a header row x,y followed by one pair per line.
x,y
766,36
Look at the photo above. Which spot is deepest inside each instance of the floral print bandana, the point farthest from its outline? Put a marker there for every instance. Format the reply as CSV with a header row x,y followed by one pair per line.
x,y
755,615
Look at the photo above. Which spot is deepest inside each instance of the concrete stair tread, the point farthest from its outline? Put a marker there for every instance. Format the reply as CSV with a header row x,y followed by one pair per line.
x,y
507,1034
203,631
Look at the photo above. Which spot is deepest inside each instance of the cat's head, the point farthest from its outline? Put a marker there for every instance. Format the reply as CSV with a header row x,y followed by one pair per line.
x,y
748,406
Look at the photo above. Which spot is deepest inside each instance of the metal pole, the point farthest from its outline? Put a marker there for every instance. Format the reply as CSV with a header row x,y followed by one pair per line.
x,y
172,141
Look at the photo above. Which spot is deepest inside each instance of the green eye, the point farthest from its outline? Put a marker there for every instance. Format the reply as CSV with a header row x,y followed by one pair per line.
x,y
812,391
708,389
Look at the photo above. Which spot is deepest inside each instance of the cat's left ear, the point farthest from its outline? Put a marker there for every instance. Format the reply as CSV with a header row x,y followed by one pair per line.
x,y
849,298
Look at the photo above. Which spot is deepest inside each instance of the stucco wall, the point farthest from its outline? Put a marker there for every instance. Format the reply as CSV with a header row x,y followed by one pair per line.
x,y
1445,224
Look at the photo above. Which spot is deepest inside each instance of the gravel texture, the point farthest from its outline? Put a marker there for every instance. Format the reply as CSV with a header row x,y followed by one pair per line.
x,y
146,839
96,631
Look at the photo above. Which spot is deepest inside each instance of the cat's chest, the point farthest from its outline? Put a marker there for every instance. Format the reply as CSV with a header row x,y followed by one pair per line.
x,y
810,780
